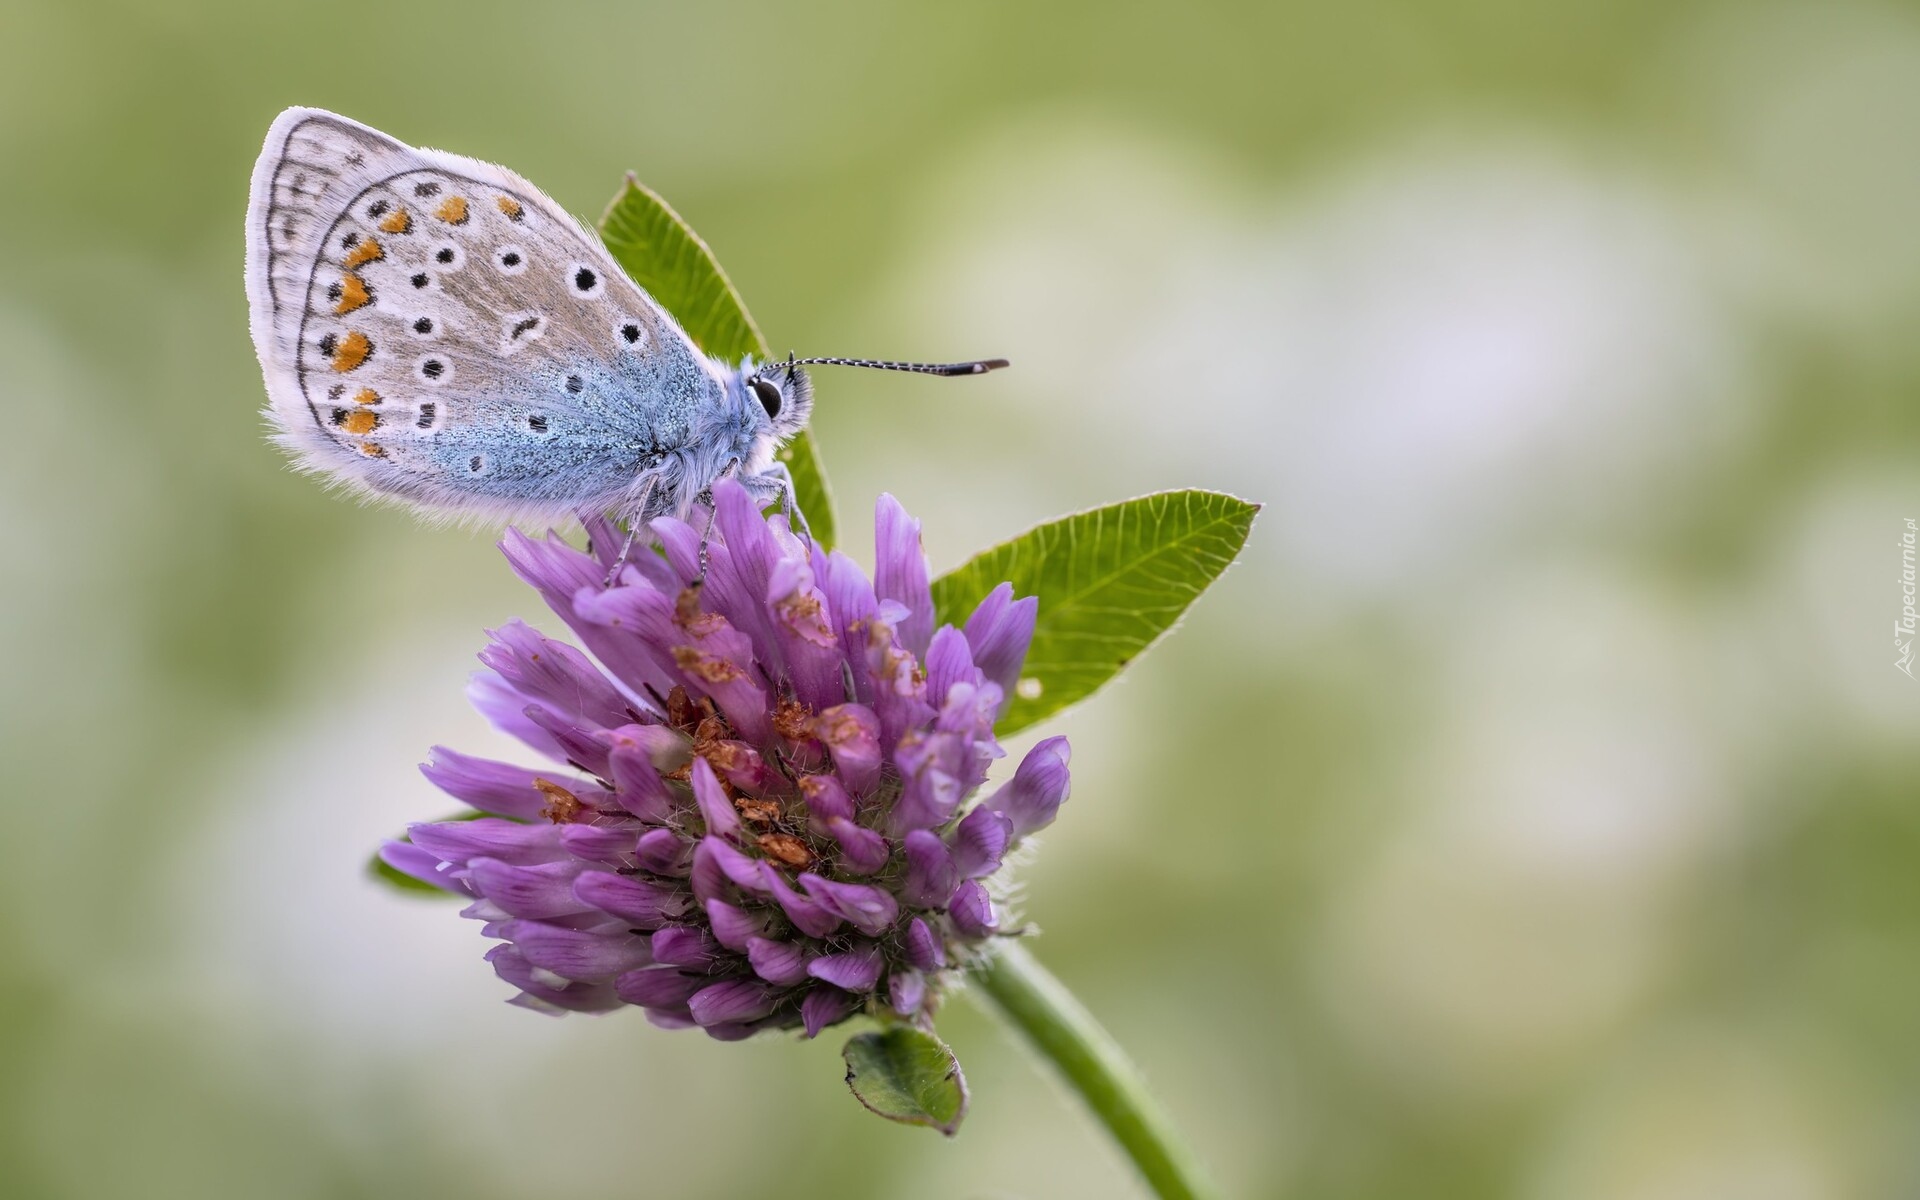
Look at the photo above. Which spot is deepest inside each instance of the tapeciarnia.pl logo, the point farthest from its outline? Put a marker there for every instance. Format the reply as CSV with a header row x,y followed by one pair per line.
x,y
1903,628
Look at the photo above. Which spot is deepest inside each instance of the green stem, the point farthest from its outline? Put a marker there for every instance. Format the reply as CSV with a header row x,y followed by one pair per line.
x,y
1092,1063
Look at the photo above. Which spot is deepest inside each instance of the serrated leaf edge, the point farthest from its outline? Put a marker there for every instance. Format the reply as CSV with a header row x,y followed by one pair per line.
x,y
1251,509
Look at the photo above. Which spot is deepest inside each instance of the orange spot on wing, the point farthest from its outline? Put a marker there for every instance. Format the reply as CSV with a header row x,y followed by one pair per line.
x,y
353,294
362,254
509,206
452,210
366,396
361,421
373,450
398,221
354,349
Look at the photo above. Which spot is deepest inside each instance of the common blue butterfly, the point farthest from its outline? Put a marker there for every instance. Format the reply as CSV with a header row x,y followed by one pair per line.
x,y
435,330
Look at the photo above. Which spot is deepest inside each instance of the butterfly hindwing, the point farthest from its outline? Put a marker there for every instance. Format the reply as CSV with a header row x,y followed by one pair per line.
x,y
435,329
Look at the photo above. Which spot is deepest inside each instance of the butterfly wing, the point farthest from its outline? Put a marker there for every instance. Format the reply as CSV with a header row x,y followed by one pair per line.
x,y
435,329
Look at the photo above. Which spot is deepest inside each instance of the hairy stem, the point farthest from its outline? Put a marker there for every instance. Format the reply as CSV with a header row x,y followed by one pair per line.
x,y
1092,1063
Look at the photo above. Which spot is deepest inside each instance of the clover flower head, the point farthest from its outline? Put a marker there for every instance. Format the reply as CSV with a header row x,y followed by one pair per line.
x,y
761,811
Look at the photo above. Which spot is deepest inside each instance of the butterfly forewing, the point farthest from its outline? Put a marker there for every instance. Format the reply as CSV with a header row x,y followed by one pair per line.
x,y
434,328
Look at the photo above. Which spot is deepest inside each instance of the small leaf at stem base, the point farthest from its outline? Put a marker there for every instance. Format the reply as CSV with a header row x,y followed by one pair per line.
x,y
907,1075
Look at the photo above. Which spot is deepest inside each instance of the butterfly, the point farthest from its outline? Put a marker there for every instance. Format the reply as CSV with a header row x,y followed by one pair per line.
x,y
435,330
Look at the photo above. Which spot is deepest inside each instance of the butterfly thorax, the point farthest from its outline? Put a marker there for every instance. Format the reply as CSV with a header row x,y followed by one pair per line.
x,y
721,433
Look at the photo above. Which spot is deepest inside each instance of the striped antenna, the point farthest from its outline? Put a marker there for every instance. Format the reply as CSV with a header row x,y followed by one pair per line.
x,y
979,367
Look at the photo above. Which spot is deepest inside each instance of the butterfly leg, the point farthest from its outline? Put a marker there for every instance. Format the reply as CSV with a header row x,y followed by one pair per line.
x,y
597,545
636,510
706,534
778,481
620,560
730,471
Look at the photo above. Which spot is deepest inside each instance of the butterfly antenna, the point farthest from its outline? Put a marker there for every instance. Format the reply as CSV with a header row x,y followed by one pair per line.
x,y
977,367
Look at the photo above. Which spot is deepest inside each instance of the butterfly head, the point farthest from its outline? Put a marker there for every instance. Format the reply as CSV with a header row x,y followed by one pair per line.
x,y
783,394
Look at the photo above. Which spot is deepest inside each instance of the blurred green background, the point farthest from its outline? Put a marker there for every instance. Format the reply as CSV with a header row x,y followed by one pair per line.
x,y
1532,813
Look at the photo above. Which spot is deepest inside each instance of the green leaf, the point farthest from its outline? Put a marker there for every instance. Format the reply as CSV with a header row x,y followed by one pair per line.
x,y
1110,580
907,1075
400,881
668,259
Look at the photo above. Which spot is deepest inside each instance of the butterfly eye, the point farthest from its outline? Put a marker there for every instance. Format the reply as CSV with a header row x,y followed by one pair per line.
x,y
768,393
